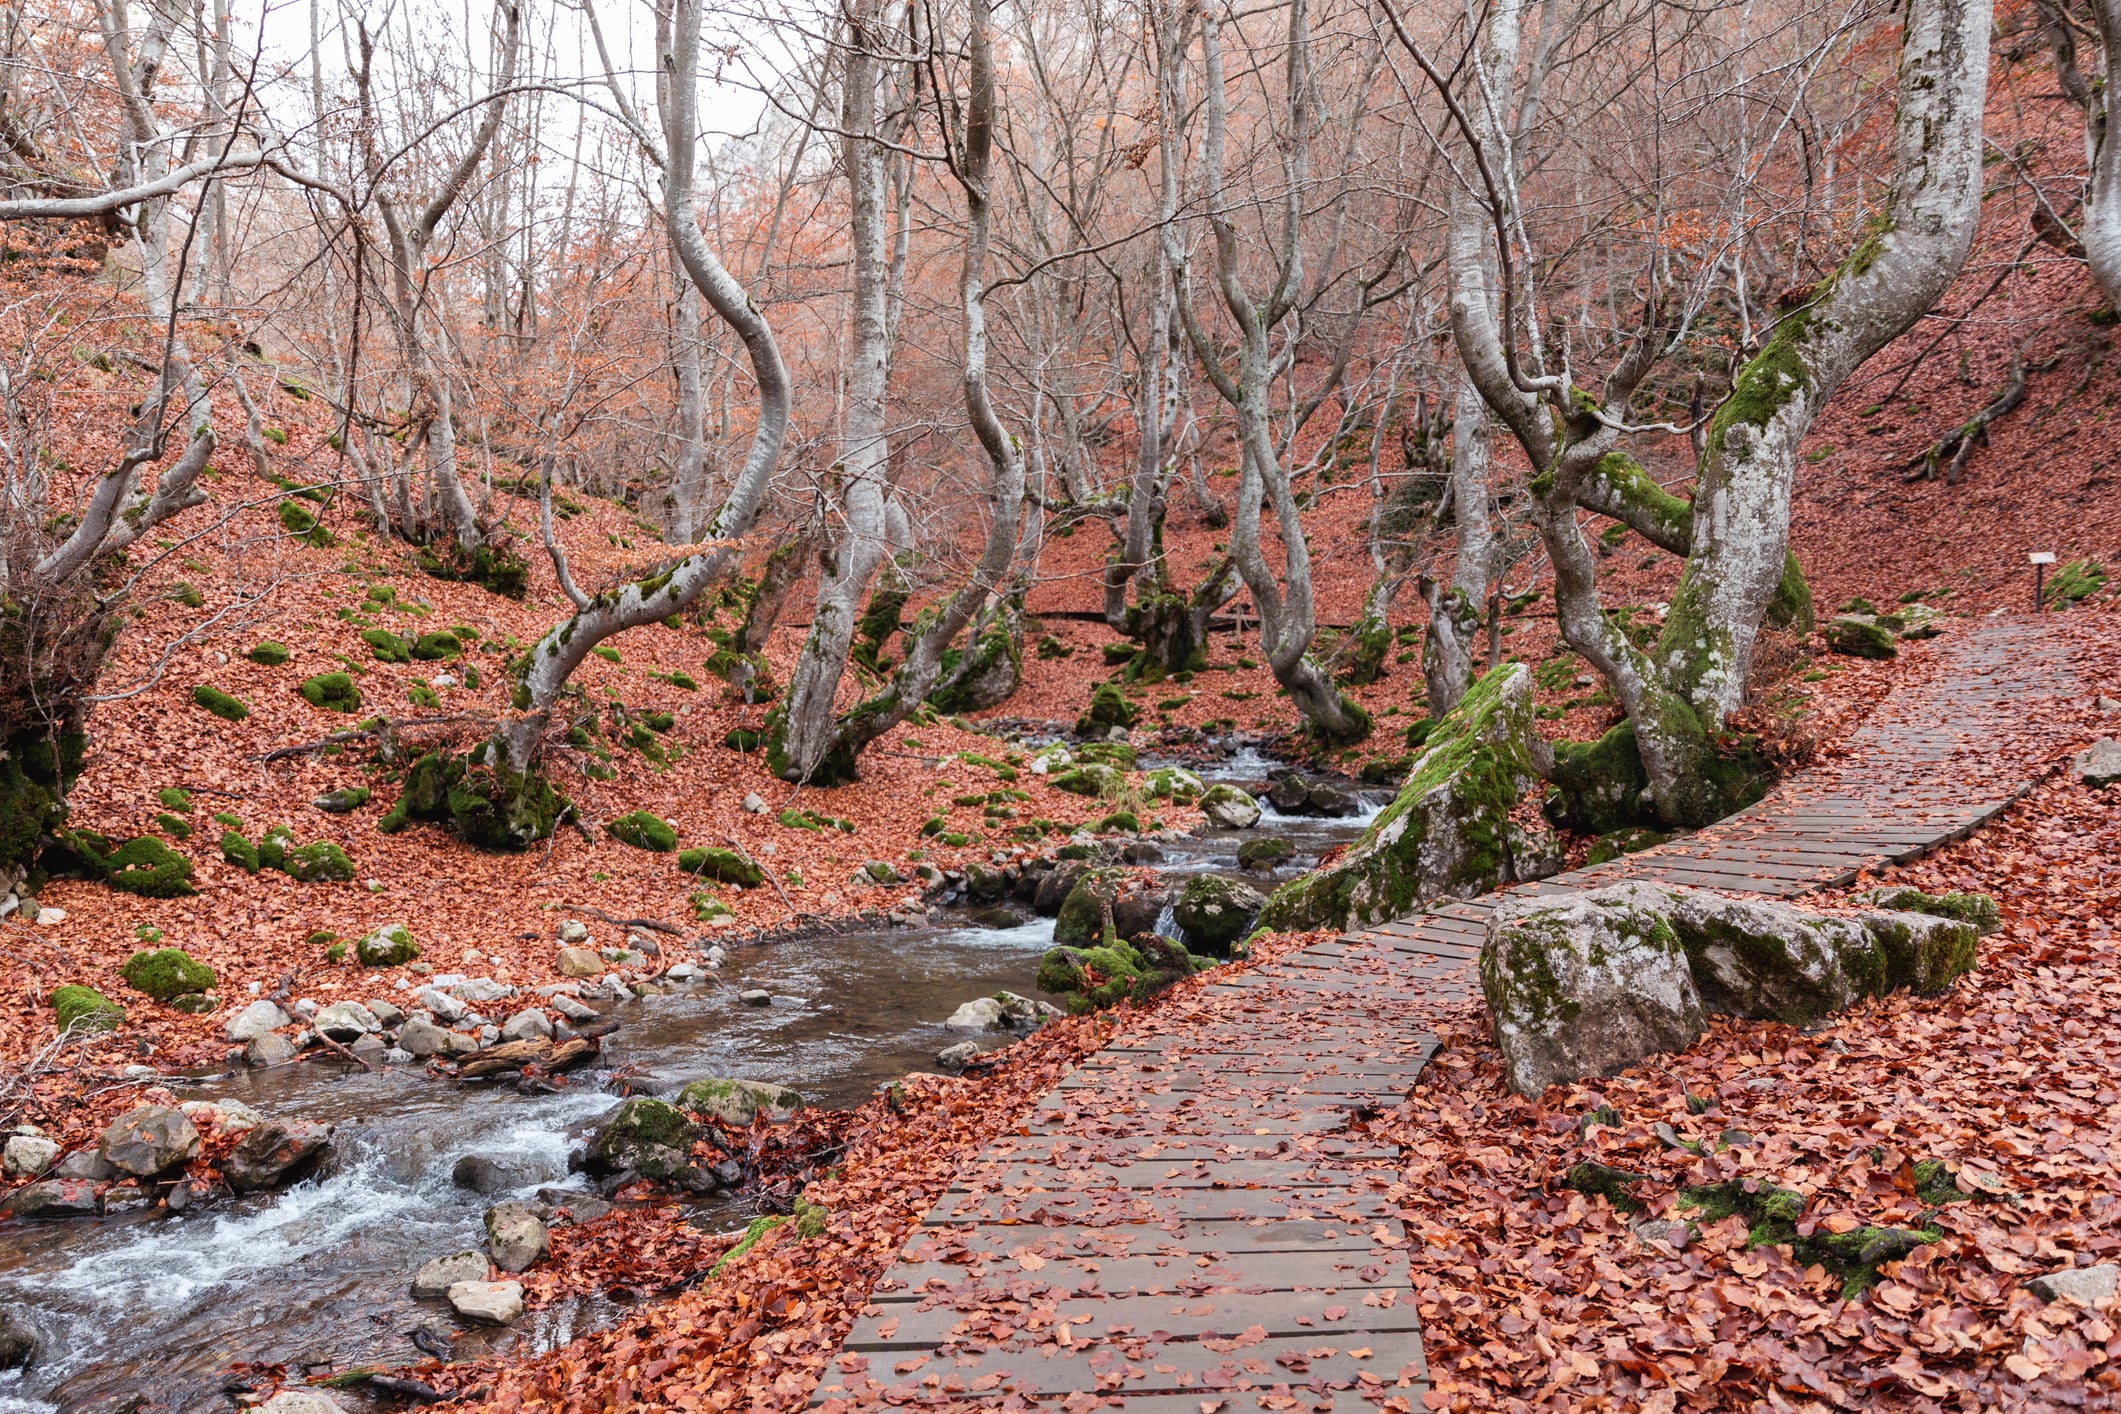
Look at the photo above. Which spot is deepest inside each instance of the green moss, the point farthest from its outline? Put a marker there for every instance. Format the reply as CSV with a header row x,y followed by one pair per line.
x,y
643,830
2075,580
391,945
1670,517
724,866
151,869
1771,1215
237,850
334,692
1264,853
1611,1184
1856,637
84,1010
174,798
298,522
1926,959
214,700
1768,381
175,826
1119,820
165,973
1109,708
320,862
343,801
1607,848
605,651
1977,909
1791,608
491,567
386,646
437,647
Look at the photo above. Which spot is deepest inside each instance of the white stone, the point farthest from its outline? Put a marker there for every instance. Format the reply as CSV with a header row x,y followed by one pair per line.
x,y
979,1014
442,1004
755,996
440,680
573,931
753,804
28,1155
255,1020
2089,1285
345,1021
525,1024
685,972
494,1302
49,916
572,1008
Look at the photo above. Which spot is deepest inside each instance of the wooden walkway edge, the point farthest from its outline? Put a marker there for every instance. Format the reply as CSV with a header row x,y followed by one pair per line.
x,y
1187,1223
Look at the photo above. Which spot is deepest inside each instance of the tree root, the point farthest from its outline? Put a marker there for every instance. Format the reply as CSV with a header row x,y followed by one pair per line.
x,y
1955,447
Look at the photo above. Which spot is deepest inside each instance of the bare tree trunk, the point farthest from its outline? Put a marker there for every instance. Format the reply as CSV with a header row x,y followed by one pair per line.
x,y
808,734
1455,611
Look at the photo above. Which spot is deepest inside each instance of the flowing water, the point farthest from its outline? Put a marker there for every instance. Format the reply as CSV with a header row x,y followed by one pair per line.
x,y
165,1304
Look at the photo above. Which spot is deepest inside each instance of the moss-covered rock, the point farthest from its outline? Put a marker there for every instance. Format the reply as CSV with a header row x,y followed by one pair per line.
x,y
175,826
1229,807
1173,783
84,1010
239,851
439,646
1081,916
1264,854
174,798
1447,832
1089,779
1215,913
1620,843
1116,754
1772,1214
388,946
1922,952
483,803
149,868
1109,708
318,863
343,801
269,653
643,830
221,704
985,674
1859,636
166,973
651,1137
724,866
1094,978
334,692
738,1102
1977,909
386,646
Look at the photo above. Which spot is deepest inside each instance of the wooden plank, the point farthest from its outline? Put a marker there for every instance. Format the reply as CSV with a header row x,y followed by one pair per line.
x,y
946,1243
1005,1275
1092,1208
937,1321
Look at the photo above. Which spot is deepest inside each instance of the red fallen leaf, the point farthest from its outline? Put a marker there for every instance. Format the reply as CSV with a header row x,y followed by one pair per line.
x,y
1335,1313
1251,1335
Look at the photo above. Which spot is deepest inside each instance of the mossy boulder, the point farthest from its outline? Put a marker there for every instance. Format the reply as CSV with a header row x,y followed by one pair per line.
x,y
1586,984
1264,854
221,704
1081,916
650,1137
436,647
334,692
343,801
386,646
149,868
320,862
388,946
1093,978
1447,833
1621,843
269,654
1976,909
1089,779
1109,708
239,851
1215,913
1923,953
738,1102
1229,807
1600,787
724,866
1116,754
1859,636
84,1010
643,830
1173,783
483,803
166,973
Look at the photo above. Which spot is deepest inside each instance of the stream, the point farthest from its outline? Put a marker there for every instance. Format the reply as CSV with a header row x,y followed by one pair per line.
x,y
165,1304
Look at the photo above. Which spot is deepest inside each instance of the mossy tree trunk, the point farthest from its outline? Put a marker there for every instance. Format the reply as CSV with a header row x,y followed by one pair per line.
x,y
1736,527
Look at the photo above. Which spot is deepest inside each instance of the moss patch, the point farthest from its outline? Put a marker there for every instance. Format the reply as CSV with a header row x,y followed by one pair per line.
x,y
214,700
724,866
334,692
643,830
166,973
85,1010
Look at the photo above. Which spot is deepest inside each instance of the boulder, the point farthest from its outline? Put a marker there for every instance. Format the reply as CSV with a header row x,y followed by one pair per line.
x,y
1136,905
420,1037
571,1007
166,974
1056,884
275,1154
1264,853
387,1014
388,946
1003,1011
438,1274
28,1155
1093,978
2099,765
515,1236
86,1164
256,1020
347,1021
2087,1285
1214,913
1978,909
55,1198
979,1014
494,1303
526,1024
955,1058
578,962
1858,636
1922,952
737,1101
18,1343
149,1140
1586,984
1447,834
648,1136
486,1176
1230,808
755,996
269,1050
301,1401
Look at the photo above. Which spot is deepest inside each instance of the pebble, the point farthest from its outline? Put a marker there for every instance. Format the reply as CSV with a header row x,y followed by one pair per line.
x,y
755,996
754,805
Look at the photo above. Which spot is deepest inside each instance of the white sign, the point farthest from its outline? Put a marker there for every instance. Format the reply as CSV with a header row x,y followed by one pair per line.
x,y
2041,557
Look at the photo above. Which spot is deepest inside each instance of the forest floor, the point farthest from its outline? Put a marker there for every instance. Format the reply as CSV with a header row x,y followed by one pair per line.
x,y
1534,1297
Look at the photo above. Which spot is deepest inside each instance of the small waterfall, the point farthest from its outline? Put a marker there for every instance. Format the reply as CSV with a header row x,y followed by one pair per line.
x,y
1167,923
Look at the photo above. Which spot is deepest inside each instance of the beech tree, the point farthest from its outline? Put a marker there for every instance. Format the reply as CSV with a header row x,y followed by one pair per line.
x,y
1734,531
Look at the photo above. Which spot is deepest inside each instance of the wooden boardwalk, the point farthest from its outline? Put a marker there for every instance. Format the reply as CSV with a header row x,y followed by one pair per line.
x,y
1187,1223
